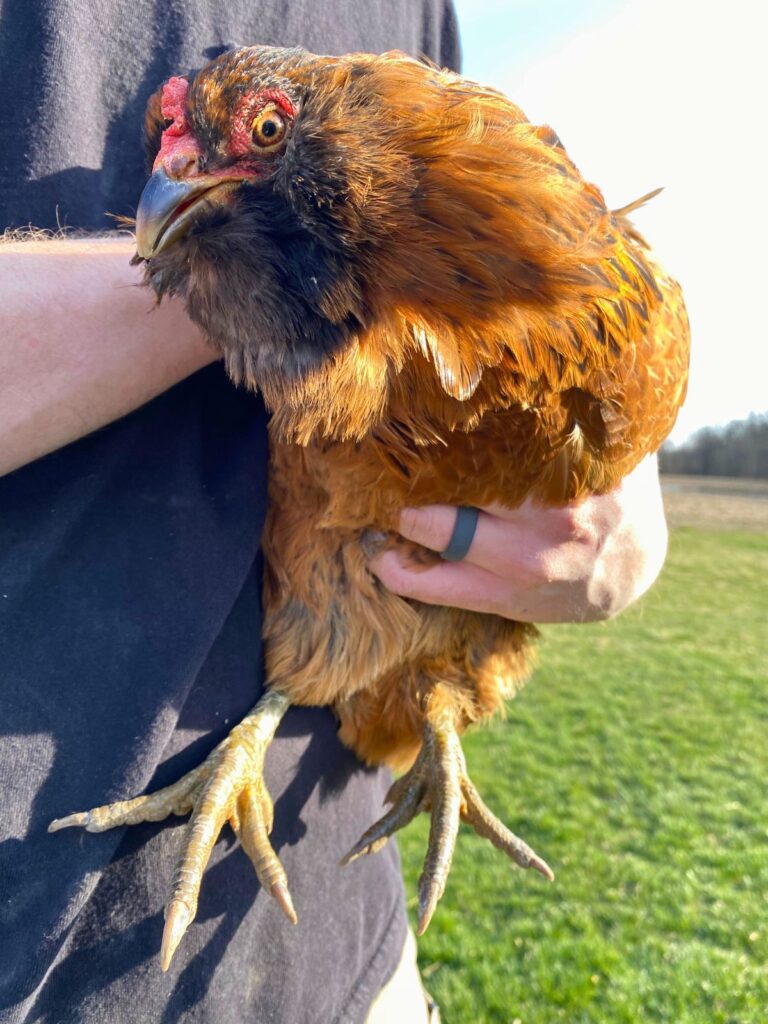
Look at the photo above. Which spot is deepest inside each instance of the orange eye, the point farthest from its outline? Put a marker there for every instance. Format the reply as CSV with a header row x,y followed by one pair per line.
x,y
268,127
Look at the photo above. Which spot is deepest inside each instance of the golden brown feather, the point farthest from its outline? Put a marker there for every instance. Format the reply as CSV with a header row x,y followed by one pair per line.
x,y
447,312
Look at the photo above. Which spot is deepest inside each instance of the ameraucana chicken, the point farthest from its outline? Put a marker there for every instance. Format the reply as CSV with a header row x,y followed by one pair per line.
x,y
437,308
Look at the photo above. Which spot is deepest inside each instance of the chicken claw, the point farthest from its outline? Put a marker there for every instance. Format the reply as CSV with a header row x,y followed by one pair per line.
x,y
227,786
438,782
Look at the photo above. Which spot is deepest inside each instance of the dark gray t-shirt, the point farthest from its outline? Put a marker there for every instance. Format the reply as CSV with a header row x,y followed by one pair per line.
x,y
130,595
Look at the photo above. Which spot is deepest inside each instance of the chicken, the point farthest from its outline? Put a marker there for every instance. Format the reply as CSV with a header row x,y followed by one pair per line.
x,y
437,308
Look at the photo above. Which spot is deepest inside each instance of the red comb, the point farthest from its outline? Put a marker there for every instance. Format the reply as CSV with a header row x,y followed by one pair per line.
x,y
174,98
177,142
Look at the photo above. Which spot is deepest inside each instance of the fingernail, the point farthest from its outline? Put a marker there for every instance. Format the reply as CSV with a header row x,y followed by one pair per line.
x,y
372,542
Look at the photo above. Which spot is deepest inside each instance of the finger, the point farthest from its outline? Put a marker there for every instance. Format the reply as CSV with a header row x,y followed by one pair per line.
x,y
507,548
457,584
432,525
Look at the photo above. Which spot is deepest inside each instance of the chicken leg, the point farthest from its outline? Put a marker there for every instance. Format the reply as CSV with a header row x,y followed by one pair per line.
x,y
438,783
227,786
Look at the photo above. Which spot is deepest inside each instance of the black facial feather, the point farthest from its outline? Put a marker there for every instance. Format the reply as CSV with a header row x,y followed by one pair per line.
x,y
273,279
263,289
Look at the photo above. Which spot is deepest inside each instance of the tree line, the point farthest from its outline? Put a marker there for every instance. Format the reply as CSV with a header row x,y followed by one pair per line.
x,y
738,449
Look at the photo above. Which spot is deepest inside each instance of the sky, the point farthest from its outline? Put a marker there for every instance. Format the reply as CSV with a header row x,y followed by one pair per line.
x,y
648,93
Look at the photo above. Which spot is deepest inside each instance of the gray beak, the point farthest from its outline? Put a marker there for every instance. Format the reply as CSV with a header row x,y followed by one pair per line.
x,y
168,208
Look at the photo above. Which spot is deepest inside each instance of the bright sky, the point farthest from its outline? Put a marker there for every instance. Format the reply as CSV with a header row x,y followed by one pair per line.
x,y
659,92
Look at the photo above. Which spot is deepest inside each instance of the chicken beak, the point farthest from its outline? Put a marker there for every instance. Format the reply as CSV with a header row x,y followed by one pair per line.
x,y
168,208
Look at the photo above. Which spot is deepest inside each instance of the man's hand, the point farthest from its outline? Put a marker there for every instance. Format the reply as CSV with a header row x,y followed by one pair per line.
x,y
578,563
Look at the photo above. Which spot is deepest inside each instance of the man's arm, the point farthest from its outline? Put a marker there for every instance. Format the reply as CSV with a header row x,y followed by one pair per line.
x,y
80,342
580,563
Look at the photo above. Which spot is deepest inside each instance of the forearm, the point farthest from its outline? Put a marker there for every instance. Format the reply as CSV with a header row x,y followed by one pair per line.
x,y
80,342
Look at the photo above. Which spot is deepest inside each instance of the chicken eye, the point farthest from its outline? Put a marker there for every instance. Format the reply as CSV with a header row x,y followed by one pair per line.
x,y
268,128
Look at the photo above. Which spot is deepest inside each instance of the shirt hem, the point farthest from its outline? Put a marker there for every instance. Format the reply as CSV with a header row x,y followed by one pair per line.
x,y
373,978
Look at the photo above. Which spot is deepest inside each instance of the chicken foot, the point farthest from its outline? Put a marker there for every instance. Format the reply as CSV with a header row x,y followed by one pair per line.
x,y
438,783
227,786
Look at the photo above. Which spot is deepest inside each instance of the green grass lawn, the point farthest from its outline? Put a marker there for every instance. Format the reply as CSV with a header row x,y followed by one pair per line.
x,y
636,763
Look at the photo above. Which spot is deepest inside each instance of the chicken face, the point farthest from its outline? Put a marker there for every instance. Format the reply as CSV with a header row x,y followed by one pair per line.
x,y
256,210
197,168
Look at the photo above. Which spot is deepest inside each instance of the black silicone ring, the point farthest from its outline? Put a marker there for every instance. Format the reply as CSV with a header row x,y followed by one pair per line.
x,y
463,534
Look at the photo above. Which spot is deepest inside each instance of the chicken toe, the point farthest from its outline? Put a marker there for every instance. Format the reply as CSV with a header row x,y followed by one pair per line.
x,y
439,784
227,786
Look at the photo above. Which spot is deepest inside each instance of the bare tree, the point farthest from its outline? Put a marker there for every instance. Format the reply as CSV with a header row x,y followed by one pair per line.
x,y
738,449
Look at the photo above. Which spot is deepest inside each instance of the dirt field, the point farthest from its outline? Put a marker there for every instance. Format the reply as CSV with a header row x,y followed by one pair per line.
x,y
716,503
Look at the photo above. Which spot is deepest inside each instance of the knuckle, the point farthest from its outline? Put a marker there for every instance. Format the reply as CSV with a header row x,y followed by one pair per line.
x,y
581,528
573,519
604,604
